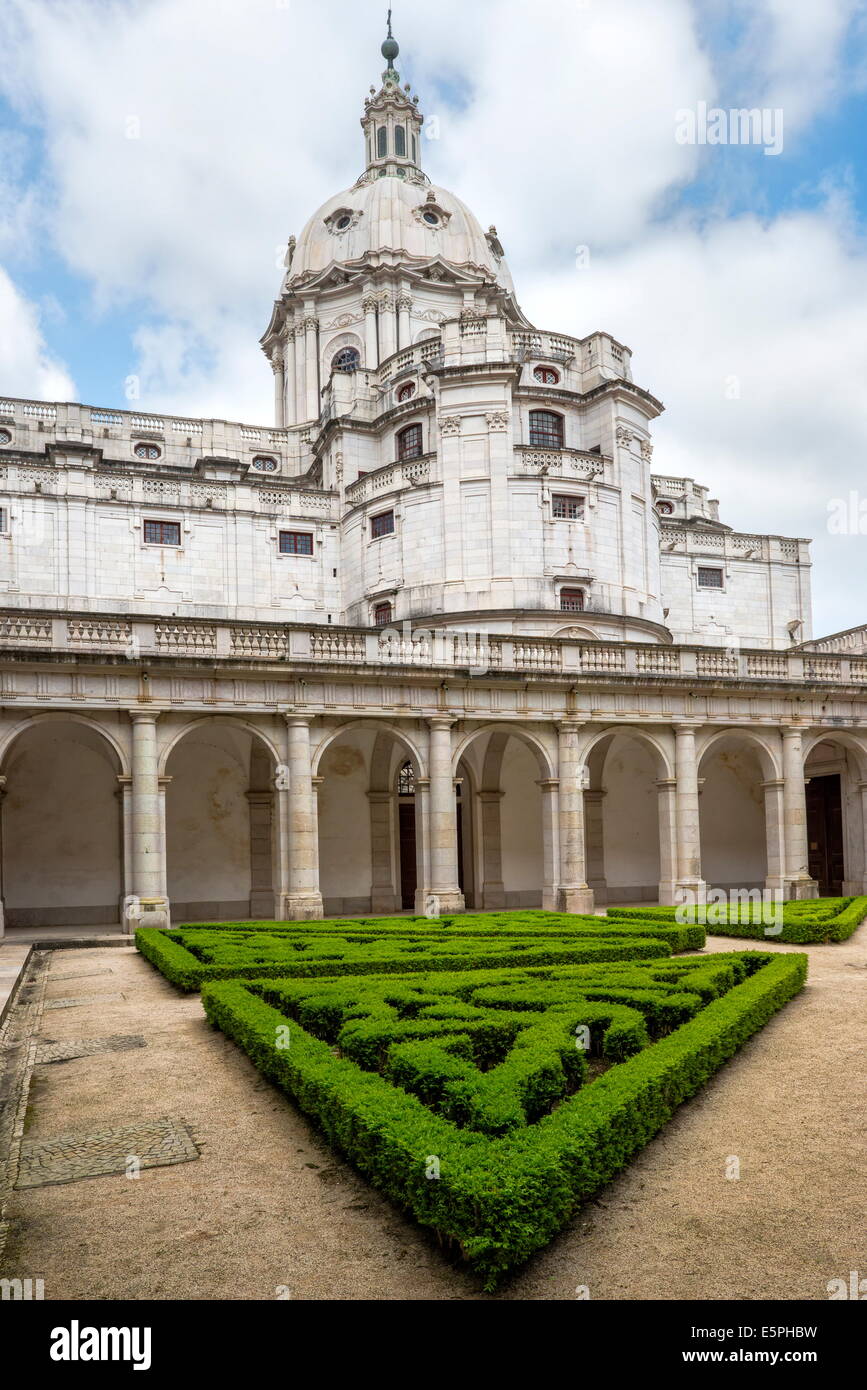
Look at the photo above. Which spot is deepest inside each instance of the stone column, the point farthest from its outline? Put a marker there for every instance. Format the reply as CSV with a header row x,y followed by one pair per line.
x,y
774,837
422,844
444,886
386,326
404,309
311,353
300,373
260,804
574,894
148,831
493,891
124,795
798,881
371,346
595,842
862,787
550,787
278,368
689,880
303,900
383,894
666,788
290,414
2,901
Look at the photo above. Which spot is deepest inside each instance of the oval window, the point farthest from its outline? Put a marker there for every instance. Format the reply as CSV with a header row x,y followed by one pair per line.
x,y
5,437
547,376
406,392
344,222
431,219
265,464
147,451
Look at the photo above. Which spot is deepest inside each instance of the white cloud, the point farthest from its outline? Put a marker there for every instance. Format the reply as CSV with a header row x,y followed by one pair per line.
x,y
27,368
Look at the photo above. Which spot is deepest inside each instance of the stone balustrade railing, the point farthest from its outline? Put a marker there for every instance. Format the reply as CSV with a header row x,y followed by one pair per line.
x,y
391,477
731,545
140,639
560,463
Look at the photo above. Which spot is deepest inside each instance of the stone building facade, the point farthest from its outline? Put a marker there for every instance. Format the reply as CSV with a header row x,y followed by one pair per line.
x,y
440,636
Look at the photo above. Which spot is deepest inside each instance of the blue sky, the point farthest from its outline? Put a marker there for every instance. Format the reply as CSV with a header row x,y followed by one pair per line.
x,y
156,257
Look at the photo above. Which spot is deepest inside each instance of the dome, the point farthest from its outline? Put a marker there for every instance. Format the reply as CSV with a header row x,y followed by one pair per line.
x,y
381,219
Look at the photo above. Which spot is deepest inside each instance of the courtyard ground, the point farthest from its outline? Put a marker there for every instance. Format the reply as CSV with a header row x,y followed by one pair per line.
x,y
267,1210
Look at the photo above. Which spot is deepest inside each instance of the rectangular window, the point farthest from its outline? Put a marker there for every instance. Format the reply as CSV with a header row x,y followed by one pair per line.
x,y
4,520
162,532
709,578
567,508
571,600
382,525
296,543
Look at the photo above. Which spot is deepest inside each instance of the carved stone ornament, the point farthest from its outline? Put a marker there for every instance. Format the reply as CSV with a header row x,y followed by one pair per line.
x,y
646,450
624,436
450,424
498,421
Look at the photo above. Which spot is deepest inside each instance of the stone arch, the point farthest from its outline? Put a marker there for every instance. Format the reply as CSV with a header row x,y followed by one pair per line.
x,y
377,725
766,746
740,808
222,821
62,810
337,344
536,745
835,775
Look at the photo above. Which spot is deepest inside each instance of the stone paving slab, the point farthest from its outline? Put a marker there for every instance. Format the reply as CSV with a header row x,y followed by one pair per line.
x,y
74,1001
49,1051
13,959
71,1157
79,974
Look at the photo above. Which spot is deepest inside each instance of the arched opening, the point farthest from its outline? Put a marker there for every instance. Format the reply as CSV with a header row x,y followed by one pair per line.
x,y
220,825
546,429
506,857
62,832
836,791
734,782
628,821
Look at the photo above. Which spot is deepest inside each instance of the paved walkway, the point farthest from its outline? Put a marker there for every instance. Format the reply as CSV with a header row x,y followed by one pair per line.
x,y
254,1202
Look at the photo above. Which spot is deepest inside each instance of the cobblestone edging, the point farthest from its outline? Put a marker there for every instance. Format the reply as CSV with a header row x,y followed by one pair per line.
x,y
17,1056
49,1051
127,1149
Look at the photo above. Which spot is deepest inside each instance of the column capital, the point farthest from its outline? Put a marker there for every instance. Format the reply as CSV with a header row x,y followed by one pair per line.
x,y
772,782
570,726
547,784
594,793
486,795
144,716
664,784
295,720
686,728
442,721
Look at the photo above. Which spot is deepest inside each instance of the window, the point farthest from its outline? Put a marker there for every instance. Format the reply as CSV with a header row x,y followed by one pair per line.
x,y
343,222
709,578
400,142
409,443
406,780
5,437
547,376
665,508
572,600
382,615
147,451
382,525
382,142
414,151
431,218
4,520
546,429
296,543
347,360
565,507
406,392
265,463
162,532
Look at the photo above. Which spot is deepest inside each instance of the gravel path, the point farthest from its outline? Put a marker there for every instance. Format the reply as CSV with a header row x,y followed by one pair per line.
x,y
267,1209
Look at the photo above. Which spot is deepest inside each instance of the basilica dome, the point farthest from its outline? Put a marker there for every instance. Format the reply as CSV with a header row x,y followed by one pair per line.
x,y
384,218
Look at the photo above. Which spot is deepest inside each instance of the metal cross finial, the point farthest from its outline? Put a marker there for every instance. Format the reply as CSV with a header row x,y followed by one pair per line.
x,y
390,35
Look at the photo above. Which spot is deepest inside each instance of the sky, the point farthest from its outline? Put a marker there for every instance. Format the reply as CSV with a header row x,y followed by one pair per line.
x,y
156,155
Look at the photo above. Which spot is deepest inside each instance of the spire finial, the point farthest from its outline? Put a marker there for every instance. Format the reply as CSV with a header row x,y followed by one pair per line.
x,y
390,47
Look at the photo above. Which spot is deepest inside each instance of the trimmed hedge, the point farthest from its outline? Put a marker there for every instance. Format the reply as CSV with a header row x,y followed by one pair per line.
x,y
441,1130
805,921
189,956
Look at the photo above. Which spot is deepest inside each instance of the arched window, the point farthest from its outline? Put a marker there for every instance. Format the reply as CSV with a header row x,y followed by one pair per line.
x,y
406,392
147,451
406,780
546,429
546,376
572,600
382,614
409,443
400,142
346,360
414,151
665,508
382,142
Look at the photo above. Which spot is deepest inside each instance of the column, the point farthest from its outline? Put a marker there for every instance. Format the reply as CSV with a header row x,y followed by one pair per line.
x,y
862,787
279,371
595,841
147,892
386,326
774,837
574,893
383,893
422,844
798,881
290,412
311,353
303,899
550,787
493,891
2,908
260,806
444,887
690,884
666,790
371,347
404,309
300,372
